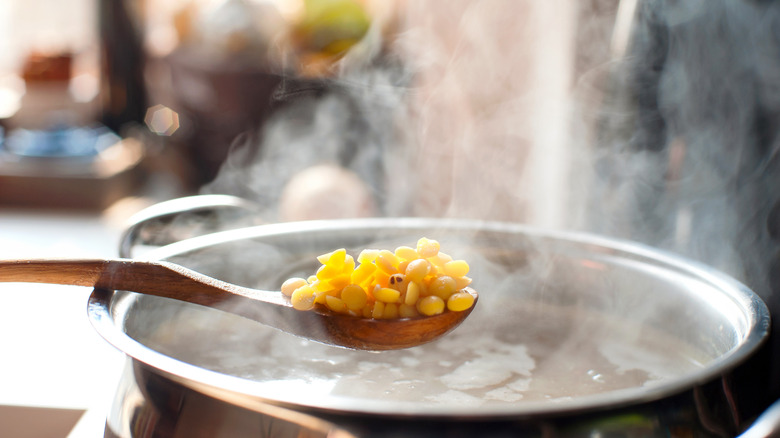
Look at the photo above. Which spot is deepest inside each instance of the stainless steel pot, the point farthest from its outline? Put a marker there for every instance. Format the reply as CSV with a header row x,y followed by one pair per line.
x,y
574,335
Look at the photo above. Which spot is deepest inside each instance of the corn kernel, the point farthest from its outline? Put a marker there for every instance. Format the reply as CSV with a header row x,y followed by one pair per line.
x,y
321,286
303,298
407,311
406,253
412,293
326,272
387,262
398,282
340,281
335,304
391,311
456,268
439,260
319,297
443,287
402,265
431,305
367,255
387,295
362,272
381,278
334,258
354,297
460,301
289,286
461,282
379,309
427,247
368,310
418,269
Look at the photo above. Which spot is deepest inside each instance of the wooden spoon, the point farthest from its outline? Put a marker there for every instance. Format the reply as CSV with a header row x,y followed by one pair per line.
x,y
169,280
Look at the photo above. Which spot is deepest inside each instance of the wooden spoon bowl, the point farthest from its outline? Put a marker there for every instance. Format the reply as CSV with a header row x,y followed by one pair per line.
x,y
271,308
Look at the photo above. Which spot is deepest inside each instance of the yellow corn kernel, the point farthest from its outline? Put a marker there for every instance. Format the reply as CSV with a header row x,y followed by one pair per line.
x,y
340,281
460,301
407,311
333,258
402,265
398,282
443,287
412,293
417,269
367,255
319,297
387,295
381,278
406,253
303,298
326,272
391,311
335,304
362,272
387,262
427,247
354,297
321,286
289,286
461,282
431,305
378,311
349,264
456,268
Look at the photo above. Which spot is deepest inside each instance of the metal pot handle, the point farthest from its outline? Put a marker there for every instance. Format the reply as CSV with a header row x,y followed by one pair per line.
x,y
183,218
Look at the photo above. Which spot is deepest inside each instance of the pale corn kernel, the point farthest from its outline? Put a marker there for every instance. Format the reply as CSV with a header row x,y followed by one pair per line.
x,y
367,255
431,305
387,264
354,297
406,253
362,272
460,301
311,278
456,268
379,309
391,311
289,286
461,282
402,265
387,295
335,304
407,311
443,287
439,260
427,247
412,293
303,298
418,269
398,282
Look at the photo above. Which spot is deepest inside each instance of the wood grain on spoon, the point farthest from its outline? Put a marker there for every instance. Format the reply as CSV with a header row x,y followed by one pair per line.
x,y
270,308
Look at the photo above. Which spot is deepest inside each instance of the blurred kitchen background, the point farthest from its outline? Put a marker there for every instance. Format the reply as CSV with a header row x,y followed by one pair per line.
x,y
647,120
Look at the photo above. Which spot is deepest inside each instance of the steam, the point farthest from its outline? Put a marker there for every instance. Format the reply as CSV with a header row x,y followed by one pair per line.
x,y
657,127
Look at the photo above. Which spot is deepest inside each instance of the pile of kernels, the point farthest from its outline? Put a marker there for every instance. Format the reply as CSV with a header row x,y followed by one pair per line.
x,y
384,284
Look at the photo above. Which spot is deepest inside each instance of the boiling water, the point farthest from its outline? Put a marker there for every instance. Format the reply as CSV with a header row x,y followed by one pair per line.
x,y
504,353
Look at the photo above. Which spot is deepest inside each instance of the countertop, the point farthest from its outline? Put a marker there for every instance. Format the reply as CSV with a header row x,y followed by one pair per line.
x,y
57,375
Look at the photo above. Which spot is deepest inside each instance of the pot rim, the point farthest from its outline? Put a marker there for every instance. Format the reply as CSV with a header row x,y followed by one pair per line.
x,y
104,306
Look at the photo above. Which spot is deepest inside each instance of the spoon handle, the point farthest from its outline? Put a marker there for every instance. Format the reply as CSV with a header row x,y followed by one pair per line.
x,y
151,278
